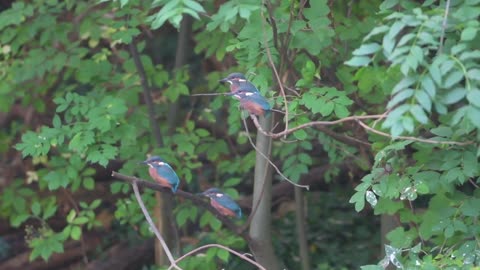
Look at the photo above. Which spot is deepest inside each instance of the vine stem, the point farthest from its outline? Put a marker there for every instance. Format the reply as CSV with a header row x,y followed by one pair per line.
x,y
153,227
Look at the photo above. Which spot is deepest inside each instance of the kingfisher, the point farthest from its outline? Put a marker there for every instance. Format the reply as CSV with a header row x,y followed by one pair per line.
x,y
253,102
237,80
224,204
162,172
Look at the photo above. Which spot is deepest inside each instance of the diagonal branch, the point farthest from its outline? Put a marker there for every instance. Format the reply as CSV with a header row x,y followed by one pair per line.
x,y
152,225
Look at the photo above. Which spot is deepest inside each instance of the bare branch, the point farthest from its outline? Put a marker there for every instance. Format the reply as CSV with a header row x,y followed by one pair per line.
x,y
152,225
242,256
311,124
365,126
357,119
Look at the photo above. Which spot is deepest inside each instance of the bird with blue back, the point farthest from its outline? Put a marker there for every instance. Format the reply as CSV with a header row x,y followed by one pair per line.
x,y
248,95
162,173
253,102
237,80
223,203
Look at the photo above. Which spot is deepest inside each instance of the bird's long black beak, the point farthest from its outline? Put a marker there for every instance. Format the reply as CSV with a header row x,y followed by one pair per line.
x,y
224,80
143,162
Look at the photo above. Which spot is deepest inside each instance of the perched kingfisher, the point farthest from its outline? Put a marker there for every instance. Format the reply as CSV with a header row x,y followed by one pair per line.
x,y
162,172
253,102
224,204
237,80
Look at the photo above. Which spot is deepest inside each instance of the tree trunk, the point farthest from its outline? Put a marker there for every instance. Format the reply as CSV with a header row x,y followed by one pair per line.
x,y
301,228
260,228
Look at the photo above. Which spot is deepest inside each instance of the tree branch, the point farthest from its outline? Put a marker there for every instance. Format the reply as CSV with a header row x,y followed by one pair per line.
x,y
222,247
152,225
189,196
358,120
365,126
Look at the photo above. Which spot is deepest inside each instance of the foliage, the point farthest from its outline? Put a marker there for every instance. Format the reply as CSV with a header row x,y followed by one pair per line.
x,y
436,93
334,59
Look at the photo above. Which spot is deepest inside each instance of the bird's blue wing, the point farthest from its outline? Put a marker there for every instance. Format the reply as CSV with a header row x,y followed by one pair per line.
x,y
249,87
259,99
168,173
229,203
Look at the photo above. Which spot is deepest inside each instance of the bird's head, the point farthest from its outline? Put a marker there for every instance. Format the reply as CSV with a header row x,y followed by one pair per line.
x,y
154,161
234,78
212,193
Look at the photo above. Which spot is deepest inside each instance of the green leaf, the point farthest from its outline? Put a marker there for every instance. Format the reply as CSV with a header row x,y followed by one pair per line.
x,y
16,220
89,183
36,208
232,182
419,114
358,61
424,100
71,215
366,49
401,96
435,72
469,33
473,97
76,232
473,113
371,198
442,131
408,124
223,254
359,199
455,95
300,134
453,78
80,220
403,84
49,211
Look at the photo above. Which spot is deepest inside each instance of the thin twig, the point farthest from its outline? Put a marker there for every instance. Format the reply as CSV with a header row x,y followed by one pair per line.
x,y
444,26
208,94
473,183
307,187
242,256
358,120
153,227
365,126
314,123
